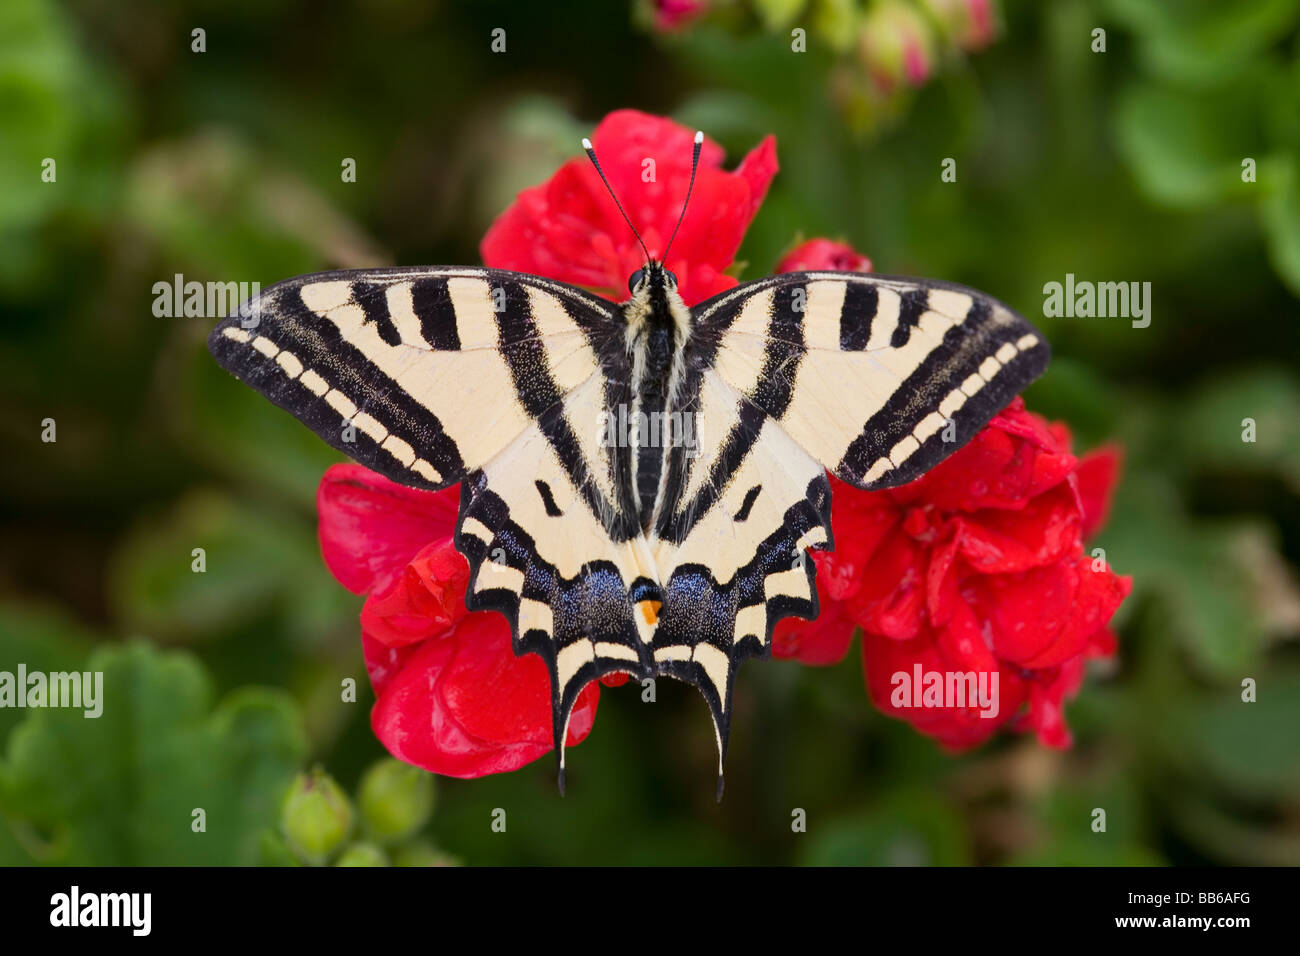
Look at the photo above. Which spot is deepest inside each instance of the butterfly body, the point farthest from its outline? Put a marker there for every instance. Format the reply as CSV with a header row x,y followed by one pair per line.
x,y
658,330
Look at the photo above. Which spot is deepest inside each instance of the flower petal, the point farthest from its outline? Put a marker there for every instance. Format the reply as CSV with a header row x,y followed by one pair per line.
x,y
820,254
1044,530
891,598
570,229
465,706
427,600
1098,474
758,169
819,642
371,527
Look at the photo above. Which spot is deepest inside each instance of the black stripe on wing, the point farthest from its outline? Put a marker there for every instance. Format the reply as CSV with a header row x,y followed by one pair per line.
x,y
700,610
301,363
298,359
943,376
595,606
983,361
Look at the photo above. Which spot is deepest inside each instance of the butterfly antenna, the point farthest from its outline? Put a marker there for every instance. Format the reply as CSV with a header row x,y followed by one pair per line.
x,y
695,164
591,154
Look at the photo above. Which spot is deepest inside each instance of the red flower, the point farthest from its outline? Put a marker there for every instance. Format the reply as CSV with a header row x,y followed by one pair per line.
x,y
674,14
568,228
976,567
450,694
817,254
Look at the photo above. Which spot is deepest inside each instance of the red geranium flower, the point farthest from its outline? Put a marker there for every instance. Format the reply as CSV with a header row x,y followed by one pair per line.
x,y
975,566
451,696
568,228
817,254
675,14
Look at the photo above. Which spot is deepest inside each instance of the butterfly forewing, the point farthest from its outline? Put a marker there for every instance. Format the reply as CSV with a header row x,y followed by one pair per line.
x,y
878,378
421,374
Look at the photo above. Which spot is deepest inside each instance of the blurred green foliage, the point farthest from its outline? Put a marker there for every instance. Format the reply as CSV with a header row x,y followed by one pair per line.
x,y
1122,165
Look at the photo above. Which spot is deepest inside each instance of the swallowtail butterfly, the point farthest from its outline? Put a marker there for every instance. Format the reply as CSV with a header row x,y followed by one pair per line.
x,y
672,546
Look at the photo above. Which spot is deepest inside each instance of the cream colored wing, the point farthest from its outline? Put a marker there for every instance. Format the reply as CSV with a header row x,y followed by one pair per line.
x,y
878,378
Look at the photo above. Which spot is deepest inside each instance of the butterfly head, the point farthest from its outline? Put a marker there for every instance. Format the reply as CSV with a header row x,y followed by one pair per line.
x,y
653,275
655,302
654,278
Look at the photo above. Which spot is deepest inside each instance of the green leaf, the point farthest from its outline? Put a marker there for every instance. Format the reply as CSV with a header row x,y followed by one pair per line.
x,y
122,789
225,212
1198,42
1213,425
252,559
42,639
1231,746
62,128
1207,597
911,828
1224,833
1186,148
1067,813
1280,214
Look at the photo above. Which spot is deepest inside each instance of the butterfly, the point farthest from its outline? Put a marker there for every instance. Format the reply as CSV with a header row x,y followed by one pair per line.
x,y
640,483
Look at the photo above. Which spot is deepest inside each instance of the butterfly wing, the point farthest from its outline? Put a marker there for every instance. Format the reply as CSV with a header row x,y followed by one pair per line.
x,y
501,381
879,378
734,522
497,380
416,373
876,379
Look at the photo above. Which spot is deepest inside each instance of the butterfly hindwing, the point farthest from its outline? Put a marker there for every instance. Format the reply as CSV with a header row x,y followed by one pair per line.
x,y
731,539
878,378
567,577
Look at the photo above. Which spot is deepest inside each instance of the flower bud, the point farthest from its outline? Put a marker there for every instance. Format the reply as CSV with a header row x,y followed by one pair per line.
x,y
896,45
422,853
836,22
675,14
362,854
317,816
969,24
815,255
395,799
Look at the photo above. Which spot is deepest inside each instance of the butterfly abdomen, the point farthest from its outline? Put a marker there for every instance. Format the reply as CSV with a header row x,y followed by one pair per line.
x,y
656,334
